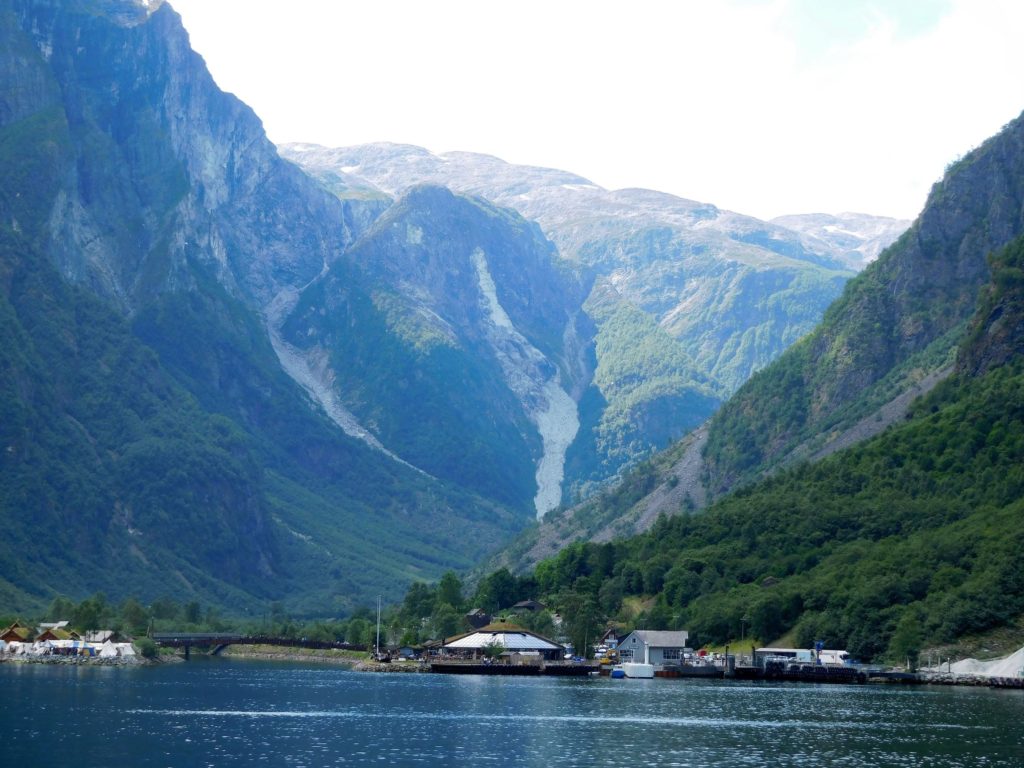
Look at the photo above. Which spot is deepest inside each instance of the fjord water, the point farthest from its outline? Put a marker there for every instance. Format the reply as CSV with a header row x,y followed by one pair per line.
x,y
227,712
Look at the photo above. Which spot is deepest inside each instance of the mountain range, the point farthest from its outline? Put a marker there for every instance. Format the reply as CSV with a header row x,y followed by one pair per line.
x,y
687,300
901,543
865,488
244,375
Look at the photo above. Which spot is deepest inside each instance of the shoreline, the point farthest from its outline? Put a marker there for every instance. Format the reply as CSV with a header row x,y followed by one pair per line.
x,y
359,662
354,660
284,653
80,661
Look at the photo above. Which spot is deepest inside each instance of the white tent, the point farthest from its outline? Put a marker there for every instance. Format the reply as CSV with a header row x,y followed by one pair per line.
x,y
125,649
108,650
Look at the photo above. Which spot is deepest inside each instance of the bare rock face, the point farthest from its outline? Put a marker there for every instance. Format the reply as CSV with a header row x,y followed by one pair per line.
x,y
894,325
734,290
688,300
164,166
454,335
996,336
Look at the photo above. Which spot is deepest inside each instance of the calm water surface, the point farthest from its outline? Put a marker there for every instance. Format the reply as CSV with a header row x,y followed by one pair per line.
x,y
227,712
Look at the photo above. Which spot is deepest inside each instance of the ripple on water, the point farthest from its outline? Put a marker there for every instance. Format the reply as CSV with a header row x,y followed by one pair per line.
x,y
235,713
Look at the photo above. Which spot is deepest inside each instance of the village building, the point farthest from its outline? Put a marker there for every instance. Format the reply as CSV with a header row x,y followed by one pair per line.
x,y
53,625
478,618
54,639
514,640
100,636
610,638
654,647
17,633
431,647
52,635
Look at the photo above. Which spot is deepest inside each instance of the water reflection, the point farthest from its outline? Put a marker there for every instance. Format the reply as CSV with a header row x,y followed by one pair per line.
x,y
248,713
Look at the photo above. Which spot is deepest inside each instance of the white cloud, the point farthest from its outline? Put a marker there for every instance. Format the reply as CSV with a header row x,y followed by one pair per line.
x,y
721,102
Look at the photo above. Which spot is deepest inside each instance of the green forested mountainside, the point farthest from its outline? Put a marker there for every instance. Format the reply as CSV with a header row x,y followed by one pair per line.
x,y
403,390
415,354
894,323
646,392
705,296
114,477
105,459
151,442
911,538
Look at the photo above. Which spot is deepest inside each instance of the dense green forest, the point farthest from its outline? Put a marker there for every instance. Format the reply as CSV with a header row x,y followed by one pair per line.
x,y
646,392
909,539
153,468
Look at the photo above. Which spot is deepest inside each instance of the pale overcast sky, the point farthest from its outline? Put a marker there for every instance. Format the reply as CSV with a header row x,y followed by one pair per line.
x,y
764,107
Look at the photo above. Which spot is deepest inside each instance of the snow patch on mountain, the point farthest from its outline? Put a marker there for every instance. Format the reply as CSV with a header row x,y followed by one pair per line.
x,y
537,384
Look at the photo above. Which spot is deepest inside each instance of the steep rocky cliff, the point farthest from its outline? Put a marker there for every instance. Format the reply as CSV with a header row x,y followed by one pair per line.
x,y
151,232
162,165
900,329
996,334
894,325
454,337
688,300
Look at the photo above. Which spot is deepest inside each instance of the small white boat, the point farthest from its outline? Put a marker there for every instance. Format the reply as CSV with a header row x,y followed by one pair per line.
x,y
638,669
642,670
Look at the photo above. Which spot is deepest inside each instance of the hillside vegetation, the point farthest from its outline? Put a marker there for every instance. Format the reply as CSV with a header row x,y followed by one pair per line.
x,y
910,538
894,324
150,441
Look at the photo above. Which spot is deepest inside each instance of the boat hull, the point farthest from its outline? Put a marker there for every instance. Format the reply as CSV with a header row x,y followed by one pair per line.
x,y
638,671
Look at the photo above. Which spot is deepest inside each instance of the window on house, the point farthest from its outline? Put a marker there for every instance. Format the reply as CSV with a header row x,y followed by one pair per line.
x,y
671,654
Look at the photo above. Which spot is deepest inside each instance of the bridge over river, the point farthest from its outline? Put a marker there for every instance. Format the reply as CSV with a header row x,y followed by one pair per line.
x,y
218,641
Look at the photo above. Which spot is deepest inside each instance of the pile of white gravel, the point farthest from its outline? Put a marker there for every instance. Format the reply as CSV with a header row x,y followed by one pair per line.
x,y
1010,666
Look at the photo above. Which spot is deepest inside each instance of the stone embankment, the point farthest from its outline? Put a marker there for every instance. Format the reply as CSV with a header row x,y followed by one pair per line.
x,y
85,661
939,678
393,666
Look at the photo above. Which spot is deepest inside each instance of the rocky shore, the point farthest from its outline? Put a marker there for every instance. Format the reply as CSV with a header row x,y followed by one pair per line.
x,y
77,661
393,666
942,678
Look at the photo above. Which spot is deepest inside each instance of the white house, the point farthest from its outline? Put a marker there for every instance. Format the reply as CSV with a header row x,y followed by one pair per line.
x,y
653,647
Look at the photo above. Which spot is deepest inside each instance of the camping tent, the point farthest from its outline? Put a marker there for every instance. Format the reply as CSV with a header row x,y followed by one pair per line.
x,y
108,650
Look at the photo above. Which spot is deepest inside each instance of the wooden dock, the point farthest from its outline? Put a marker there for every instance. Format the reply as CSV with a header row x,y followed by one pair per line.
x,y
802,673
695,671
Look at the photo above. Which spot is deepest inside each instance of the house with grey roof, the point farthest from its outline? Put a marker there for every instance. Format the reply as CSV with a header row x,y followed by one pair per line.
x,y
654,647
512,639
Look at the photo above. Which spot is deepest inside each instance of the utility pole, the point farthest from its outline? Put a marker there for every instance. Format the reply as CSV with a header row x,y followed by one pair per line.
x,y
377,645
